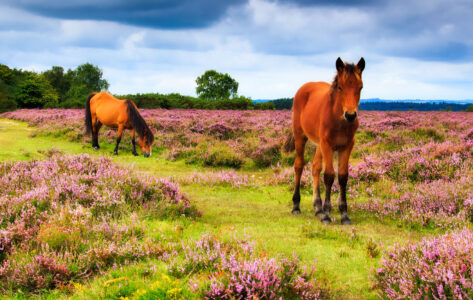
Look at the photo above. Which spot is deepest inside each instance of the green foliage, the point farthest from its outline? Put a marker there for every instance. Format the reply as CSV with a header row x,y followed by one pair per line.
x,y
175,100
6,103
51,88
469,108
265,105
283,103
213,85
59,80
86,79
35,91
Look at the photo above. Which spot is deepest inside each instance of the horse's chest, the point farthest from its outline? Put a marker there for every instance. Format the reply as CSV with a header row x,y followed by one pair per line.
x,y
341,138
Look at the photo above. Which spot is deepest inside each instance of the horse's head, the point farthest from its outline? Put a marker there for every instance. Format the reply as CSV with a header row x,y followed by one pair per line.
x,y
145,142
348,86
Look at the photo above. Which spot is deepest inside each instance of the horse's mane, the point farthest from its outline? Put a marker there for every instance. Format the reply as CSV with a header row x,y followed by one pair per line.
x,y
138,123
349,69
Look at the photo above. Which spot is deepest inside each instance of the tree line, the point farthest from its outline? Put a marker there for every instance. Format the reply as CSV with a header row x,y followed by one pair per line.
x,y
52,88
58,88
286,103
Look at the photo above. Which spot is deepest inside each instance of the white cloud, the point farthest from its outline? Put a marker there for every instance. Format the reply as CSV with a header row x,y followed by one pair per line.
x,y
270,48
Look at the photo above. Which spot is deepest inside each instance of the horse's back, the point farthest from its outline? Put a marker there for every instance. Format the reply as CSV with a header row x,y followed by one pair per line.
x,y
109,110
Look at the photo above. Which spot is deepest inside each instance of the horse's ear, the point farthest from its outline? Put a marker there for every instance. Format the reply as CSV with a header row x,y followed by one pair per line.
x,y
340,65
361,64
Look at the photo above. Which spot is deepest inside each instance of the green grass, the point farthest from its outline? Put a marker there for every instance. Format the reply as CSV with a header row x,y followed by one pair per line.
x,y
263,213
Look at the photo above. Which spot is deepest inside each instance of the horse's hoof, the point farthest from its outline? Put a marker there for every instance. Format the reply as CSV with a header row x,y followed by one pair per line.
x,y
296,211
320,215
96,148
115,153
346,221
326,220
135,154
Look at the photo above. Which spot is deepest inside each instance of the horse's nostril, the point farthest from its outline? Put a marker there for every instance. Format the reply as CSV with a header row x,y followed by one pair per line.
x,y
350,117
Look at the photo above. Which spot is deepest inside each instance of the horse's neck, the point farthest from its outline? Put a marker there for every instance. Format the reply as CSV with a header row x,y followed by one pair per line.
x,y
336,105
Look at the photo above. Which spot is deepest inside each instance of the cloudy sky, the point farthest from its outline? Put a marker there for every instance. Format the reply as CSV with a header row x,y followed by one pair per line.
x,y
413,49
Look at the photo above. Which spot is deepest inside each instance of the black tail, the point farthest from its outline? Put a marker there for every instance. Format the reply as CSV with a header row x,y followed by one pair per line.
x,y
290,144
88,115
138,123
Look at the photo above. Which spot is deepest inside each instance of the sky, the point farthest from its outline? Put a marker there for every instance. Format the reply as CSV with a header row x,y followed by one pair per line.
x,y
419,49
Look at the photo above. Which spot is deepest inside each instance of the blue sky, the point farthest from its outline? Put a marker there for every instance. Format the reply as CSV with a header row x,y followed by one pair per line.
x,y
413,49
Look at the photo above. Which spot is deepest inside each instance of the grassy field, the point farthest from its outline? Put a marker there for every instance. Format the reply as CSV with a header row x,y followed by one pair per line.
x,y
342,256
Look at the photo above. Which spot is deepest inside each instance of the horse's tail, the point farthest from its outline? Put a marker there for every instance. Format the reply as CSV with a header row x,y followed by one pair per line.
x,y
88,115
290,144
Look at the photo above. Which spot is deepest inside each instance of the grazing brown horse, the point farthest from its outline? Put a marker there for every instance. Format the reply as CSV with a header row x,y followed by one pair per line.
x,y
327,115
104,109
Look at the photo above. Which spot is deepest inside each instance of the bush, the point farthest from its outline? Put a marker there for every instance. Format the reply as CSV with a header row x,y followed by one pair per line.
x,y
265,105
6,104
64,214
439,268
222,157
236,272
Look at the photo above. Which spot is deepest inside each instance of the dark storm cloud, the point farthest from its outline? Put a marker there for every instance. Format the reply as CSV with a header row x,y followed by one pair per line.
x,y
168,14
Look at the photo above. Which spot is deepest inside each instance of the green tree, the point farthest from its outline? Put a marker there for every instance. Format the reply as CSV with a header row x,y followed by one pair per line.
x,y
86,79
213,85
469,108
59,80
36,92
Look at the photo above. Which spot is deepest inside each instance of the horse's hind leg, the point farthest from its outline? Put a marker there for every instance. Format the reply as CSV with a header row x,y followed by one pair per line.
x,y
329,177
133,142
119,138
300,142
96,125
316,168
343,158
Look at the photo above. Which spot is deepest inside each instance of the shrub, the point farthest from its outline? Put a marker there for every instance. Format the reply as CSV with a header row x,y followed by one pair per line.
x,y
437,268
60,218
236,272
222,157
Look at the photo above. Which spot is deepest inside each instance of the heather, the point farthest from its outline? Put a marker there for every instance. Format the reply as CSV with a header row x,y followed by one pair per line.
x,y
436,268
405,165
235,271
67,218
410,179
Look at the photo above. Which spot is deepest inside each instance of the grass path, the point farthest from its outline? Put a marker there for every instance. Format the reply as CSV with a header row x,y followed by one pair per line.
x,y
263,213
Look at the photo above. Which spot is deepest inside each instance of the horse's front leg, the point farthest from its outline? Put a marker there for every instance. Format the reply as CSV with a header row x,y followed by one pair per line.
x,y
119,138
133,143
316,168
329,177
343,158
300,142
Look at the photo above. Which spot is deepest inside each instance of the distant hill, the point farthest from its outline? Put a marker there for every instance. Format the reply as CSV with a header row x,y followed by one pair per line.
x,y
397,105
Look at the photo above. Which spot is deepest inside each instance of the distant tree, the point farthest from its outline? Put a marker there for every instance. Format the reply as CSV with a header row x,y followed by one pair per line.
x,y
86,78
36,92
6,100
213,85
265,105
59,80
469,108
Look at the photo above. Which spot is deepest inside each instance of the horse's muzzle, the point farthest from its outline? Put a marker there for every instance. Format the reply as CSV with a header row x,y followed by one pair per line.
x,y
146,154
350,117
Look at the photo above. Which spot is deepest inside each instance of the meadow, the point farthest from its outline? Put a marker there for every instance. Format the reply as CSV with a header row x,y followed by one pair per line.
x,y
209,214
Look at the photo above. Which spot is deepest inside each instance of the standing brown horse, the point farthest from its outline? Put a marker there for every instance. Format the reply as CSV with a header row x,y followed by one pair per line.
x,y
103,108
327,115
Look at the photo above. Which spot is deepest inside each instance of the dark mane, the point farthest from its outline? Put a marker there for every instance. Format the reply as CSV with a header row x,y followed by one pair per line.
x,y
349,69
138,123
